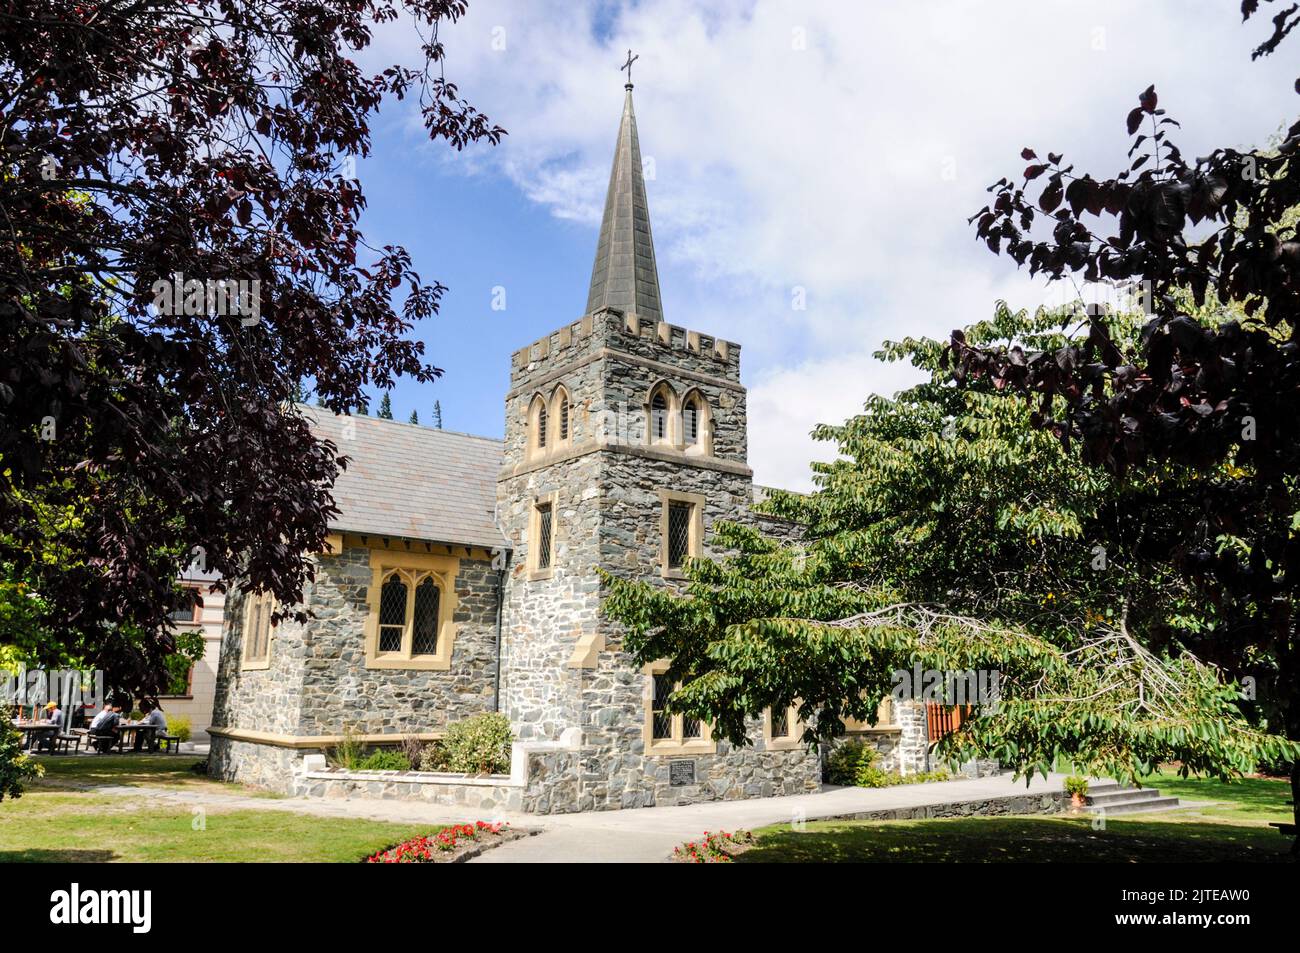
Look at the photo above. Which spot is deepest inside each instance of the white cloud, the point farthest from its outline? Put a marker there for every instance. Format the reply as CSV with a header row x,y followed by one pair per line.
x,y
826,166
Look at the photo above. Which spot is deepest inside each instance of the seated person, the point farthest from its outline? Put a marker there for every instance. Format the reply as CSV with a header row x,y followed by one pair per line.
x,y
154,717
103,729
54,718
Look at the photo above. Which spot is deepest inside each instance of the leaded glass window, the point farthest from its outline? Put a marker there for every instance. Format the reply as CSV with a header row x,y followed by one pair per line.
x,y
544,525
662,728
392,614
679,533
424,624
780,722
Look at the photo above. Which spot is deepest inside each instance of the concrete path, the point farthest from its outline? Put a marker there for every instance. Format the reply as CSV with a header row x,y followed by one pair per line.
x,y
644,835
648,835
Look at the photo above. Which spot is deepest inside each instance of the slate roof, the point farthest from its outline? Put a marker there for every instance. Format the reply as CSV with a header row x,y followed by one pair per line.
x,y
624,275
415,482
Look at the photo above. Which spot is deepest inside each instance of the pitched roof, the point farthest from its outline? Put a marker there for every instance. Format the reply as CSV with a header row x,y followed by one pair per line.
x,y
411,481
624,275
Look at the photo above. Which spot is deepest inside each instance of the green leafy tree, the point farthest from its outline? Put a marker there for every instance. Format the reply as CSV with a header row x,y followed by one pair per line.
x,y
16,767
951,533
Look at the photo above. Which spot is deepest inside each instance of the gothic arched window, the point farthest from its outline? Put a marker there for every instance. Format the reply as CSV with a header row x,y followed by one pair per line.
x,y
392,614
691,421
560,409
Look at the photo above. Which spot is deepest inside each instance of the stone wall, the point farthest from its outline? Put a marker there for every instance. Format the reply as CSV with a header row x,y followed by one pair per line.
x,y
339,692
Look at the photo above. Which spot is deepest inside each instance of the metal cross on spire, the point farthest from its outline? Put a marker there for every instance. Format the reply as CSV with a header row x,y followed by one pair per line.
x,y
628,66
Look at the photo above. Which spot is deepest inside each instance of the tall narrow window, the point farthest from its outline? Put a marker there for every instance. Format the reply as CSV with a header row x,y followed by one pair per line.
x,y
564,417
780,722
679,533
541,426
424,623
392,614
662,721
257,630
659,417
691,422
545,514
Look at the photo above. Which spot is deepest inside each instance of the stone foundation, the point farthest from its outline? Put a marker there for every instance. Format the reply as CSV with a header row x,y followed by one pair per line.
x,y
261,766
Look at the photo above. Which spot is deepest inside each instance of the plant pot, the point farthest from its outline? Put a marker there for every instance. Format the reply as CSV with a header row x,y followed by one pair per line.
x,y
1078,801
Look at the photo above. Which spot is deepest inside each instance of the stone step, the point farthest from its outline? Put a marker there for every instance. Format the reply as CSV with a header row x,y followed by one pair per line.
x,y
1115,794
1140,806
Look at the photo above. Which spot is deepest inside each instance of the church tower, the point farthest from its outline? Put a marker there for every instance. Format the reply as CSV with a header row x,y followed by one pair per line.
x,y
625,442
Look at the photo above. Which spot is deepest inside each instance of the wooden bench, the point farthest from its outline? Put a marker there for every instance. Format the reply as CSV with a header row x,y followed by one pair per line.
x,y
1287,829
62,742
172,743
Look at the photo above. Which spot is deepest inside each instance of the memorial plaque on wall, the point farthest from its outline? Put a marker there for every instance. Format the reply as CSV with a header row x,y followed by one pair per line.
x,y
681,773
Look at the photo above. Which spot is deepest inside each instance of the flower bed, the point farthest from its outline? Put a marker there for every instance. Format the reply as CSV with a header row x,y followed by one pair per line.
x,y
713,848
453,843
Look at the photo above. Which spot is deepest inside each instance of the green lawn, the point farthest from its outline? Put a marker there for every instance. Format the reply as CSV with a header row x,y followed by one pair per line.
x,y
47,827
59,819
1243,799
157,770
1234,828
1016,839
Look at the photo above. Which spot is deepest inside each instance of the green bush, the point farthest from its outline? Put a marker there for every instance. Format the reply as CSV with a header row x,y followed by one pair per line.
x,y
843,764
854,764
180,726
384,760
1075,784
16,768
479,745
349,752
433,758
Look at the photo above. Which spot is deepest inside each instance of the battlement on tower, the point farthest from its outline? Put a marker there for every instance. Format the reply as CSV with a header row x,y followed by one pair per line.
x,y
614,330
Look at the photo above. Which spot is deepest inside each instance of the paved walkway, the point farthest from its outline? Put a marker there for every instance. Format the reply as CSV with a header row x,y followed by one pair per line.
x,y
637,836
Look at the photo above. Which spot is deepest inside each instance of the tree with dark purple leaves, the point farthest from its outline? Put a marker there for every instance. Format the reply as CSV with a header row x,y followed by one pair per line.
x,y
180,207
1212,384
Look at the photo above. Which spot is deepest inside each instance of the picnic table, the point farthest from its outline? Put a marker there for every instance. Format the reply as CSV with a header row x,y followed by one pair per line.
x,y
134,731
34,731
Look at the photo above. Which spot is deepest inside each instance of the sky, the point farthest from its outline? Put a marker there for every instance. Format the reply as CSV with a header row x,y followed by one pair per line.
x,y
810,169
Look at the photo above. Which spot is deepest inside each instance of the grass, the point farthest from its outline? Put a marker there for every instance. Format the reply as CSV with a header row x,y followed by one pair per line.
x,y
48,826
1240,801
1016,839
66,816
133,770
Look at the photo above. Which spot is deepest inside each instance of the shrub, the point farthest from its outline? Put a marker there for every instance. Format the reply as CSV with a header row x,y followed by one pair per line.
x,y
1075,784
854,764
179,726
713,848
479,745
433,758
412,747
386,760
348,752
843,764
16,768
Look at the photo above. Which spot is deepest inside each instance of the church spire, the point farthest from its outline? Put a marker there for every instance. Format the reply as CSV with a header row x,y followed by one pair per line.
x,y
624,275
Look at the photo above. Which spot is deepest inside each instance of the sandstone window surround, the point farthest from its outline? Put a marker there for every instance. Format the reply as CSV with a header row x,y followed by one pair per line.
x,y
666,733
697,424
679,423
782,729
549,424
681,531
886,719
412,605
543,532
257,631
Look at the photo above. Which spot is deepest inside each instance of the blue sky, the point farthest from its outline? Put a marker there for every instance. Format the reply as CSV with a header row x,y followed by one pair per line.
x,y
819,150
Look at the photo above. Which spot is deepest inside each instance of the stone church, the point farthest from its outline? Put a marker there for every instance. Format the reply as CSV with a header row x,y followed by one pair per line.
x,y
461,575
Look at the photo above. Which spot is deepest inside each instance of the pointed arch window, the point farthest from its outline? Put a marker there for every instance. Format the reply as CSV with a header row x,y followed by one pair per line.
x,y
691,421
660,410
536,427
560,414
542,424
412,604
